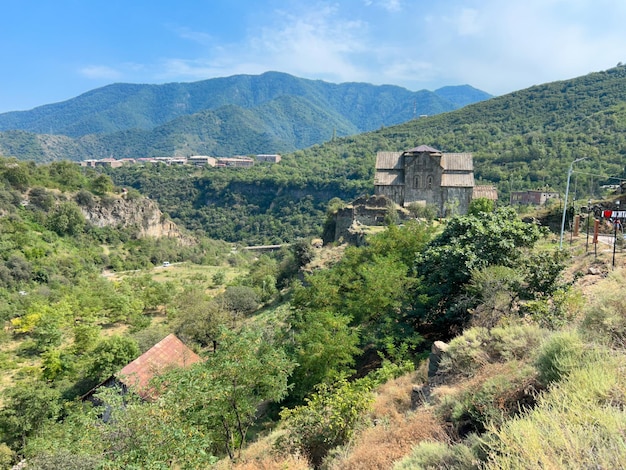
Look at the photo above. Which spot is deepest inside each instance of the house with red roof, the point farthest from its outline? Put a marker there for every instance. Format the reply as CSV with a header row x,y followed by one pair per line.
x,y
167,354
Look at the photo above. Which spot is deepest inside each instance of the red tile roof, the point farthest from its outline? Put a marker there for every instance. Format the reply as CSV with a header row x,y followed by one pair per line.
x,y
168,353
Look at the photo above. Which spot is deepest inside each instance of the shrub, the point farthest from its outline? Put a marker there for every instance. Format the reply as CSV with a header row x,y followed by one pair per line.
x,y
559,355
466,353
578,423
479,346
438,455
607,318
85,198
327,420
66,460
501,391
515,341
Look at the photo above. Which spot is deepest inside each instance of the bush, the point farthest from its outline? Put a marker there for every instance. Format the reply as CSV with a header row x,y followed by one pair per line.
x,y
501,391
606,318
85,198
578,423
327,420
559,355
479,346
438,455
66,460
241,300
466,353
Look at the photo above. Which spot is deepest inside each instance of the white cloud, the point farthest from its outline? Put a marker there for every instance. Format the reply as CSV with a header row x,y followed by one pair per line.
x,y
100,72
493,45
199,37
314,41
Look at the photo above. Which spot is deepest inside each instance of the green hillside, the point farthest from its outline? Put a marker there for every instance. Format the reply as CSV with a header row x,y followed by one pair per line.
x,y
272,112
325,373
525,140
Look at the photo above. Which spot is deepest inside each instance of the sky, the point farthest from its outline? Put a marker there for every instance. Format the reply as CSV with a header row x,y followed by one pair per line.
x,y
54,50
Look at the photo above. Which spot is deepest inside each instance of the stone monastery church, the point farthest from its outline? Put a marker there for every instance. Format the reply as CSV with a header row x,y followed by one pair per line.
x,y
425,175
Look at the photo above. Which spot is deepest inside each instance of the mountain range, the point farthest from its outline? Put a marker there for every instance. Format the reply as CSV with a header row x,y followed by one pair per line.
x,y
242,114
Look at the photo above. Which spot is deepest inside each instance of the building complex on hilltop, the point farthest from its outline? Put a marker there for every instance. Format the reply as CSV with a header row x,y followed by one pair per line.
x,y
424,175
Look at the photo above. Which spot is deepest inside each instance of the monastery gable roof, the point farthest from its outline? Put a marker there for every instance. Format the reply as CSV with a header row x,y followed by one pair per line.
x,y
389,161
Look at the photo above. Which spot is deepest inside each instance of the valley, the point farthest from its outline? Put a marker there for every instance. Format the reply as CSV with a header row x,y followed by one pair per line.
x,y
472,341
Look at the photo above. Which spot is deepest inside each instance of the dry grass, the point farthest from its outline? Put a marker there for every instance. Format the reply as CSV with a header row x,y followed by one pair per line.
x,y
263,455
395,431
377,448
269,462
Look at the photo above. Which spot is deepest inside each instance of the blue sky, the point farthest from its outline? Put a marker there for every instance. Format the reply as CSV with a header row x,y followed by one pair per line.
x,y
53,50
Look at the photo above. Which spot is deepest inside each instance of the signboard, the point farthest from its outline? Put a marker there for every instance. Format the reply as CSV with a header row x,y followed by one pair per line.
x,y
614,214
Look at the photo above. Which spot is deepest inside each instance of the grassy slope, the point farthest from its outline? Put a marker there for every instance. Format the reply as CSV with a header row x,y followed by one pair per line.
x,y
433,436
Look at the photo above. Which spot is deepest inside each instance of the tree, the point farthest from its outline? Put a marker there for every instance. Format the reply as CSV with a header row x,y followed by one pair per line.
x,y
324,347
222,395
27,407
101,185
111,354
241,300
467,244
41,198
66,219
481,205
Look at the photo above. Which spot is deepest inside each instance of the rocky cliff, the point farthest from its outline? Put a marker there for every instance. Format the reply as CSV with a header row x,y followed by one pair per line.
x,y
140,213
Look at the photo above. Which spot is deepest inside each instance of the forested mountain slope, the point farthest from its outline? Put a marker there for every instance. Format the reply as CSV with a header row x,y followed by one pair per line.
x,y
525,140
285,111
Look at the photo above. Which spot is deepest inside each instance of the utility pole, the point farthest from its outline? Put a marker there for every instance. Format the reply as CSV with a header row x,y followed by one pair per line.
x,y
615,222
588,212
569,175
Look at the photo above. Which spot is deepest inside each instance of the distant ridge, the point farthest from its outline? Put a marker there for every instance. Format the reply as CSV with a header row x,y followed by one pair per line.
x,y
271,112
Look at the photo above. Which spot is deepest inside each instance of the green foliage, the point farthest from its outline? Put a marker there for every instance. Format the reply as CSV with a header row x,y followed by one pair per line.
x,y
373,285
101,185
559,356
324,347
111,354
438,455
218,278
584,411
66,460
328,418
122,442
240,300
479,346
505,394
6,456
41,198
466,245
605,317
498,289
481,205
555,311
198,318
544,272
221,395
259,114
66,219
423,211
26,408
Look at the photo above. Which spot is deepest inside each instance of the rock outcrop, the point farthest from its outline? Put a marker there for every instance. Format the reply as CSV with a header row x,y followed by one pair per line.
x,y
140,213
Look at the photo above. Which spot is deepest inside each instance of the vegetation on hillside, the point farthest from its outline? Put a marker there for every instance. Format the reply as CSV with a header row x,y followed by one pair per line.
x,y
243,114
345,331
316,370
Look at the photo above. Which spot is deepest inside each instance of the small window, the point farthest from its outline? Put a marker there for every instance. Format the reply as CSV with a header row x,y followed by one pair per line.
x,y
418,182
430,182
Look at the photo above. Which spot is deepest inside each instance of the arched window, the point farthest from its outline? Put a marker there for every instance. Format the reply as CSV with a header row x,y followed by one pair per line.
x,y
418,182
430,182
